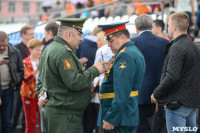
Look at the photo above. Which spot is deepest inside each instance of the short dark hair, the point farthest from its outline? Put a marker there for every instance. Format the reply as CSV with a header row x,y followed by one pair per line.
x,y
53,27
159,23
125,32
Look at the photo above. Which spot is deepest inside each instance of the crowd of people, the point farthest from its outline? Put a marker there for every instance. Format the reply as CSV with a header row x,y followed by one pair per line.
x,y
106,82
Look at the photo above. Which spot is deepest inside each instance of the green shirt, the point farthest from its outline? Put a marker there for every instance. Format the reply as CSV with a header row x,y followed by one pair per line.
x,y
63,77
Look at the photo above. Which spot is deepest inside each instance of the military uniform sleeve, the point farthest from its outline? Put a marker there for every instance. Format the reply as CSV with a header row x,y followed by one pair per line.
x,y
73,77
39,86
39,83
123,71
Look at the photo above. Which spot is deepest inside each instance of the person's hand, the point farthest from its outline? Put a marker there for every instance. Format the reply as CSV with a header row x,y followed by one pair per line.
x,y
42,102
83,60
3,61
108,126
0,101
193,19
153,100
100,66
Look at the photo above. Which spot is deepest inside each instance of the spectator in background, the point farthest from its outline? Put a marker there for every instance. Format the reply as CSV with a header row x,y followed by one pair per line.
x,y
198,19
156,9
92,13
153,49
12,74
158,27
87,49
140,9
78,7
27,34
186,6
28,88
56,9
50,32
179,85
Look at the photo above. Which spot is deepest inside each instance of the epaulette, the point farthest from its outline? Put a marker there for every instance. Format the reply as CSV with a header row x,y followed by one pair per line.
x,y
68,48
123,50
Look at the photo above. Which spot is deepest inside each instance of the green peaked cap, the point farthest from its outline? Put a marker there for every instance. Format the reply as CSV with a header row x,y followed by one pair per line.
x,y
76,23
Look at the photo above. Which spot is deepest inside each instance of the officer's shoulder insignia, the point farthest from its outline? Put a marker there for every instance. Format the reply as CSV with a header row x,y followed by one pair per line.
x,y
122,65
68,65
123,50
68,48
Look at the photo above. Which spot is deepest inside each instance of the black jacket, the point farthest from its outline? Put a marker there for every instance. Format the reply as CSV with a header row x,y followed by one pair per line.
x,y
16,67
180,80
23,50
47,44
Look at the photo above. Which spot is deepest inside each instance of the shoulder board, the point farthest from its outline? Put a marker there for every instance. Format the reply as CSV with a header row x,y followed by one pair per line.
x,y
123,50
68,48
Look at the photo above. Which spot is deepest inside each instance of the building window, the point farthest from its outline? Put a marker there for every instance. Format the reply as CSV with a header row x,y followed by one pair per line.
x,y
39,7
0,6
11,7
26,7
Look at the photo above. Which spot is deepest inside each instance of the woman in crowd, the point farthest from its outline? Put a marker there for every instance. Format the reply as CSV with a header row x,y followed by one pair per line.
x,y
28,88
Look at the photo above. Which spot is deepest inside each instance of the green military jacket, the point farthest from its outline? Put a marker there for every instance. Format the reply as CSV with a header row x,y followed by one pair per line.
x,y
64,79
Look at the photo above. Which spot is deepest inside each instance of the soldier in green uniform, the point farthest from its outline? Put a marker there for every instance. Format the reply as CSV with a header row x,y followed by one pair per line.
x,y
123,77
65,80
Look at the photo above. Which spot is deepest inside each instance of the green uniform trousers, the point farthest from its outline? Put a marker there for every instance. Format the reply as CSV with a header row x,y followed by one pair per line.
x,y
61,123
120,130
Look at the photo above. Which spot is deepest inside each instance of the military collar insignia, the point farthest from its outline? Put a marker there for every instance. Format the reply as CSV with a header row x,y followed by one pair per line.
x,y
123,50
68,48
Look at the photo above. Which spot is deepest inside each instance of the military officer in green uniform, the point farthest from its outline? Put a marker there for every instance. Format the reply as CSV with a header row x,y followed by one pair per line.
x,y
123,77
65,80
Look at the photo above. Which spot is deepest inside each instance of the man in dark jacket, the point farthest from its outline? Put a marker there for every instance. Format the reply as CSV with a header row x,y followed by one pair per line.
x,y
12,74
153,50
179,86
50,31
27,34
